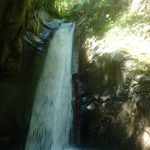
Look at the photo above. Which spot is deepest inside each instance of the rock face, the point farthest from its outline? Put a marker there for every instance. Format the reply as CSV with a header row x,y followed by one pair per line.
x,y
117,69
22,50
117,113
15,17
12,23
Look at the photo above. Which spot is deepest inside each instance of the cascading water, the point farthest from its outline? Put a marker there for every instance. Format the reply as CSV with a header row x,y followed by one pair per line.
x,y
52,112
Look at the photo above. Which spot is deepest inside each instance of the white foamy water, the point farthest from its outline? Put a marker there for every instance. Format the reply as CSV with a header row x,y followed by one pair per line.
x,y
52,112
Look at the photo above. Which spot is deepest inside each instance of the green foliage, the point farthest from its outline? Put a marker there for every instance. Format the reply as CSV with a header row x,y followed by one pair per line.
x,y
94,16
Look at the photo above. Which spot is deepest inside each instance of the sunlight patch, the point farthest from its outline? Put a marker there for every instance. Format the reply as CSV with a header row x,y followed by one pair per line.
x,y
146,138
118,39
135,5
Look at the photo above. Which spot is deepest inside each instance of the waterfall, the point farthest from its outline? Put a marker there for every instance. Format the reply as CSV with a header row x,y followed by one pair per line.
x,y
52,113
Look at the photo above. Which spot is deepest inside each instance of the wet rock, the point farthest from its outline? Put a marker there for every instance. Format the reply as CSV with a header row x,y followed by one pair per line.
x,y
119,56
144,80
129,65
133,83
97,116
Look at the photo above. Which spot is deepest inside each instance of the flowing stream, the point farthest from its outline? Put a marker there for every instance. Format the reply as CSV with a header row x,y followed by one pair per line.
x,y
52,113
